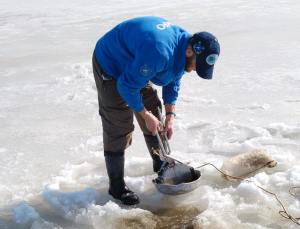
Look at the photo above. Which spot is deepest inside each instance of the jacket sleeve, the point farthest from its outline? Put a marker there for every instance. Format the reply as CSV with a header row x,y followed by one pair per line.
x,y
147,62
170,91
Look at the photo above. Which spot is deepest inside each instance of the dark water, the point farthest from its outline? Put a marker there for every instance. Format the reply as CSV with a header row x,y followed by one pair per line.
x,y
175,218
155,217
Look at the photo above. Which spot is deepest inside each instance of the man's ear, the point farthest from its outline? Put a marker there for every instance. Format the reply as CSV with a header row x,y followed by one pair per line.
x,y
189,52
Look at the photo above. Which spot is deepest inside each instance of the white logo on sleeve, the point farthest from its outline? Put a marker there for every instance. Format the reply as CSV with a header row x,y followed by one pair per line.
x,y
145,70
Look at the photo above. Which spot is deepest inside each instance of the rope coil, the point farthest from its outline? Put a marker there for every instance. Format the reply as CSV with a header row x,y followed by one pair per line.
x,y
283,213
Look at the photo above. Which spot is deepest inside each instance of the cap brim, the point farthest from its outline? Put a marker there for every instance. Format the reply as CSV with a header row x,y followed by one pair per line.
x,y
205,71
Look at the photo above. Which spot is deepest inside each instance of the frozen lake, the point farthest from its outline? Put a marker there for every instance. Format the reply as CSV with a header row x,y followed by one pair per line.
x,y
51,156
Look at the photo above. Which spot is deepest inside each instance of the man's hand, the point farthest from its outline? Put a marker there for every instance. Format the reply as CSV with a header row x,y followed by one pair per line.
x,y
152,122
168,126
169,121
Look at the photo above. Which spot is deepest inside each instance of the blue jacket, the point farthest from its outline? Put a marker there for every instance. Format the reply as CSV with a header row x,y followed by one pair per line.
x,y
143,49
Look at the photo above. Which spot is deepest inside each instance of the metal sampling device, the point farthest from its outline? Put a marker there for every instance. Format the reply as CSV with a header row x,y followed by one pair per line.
x,y
174,177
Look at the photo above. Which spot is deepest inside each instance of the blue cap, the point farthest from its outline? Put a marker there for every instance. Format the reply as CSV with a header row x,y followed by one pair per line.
x,y
207,49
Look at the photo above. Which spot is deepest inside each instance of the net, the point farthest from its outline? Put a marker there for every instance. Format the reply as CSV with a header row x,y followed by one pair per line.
x,y
246,164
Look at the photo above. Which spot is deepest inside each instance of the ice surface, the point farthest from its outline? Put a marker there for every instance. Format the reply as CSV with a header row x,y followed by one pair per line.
x,y
52,165
23,213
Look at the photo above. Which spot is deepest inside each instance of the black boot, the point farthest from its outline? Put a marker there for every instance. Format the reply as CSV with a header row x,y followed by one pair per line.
x,y
152,144
117,187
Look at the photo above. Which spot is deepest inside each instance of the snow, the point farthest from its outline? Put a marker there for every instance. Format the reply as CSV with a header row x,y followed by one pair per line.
x,y
52,165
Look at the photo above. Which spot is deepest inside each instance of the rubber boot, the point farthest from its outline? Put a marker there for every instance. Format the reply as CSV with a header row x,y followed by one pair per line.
x,y
153,145
117,187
